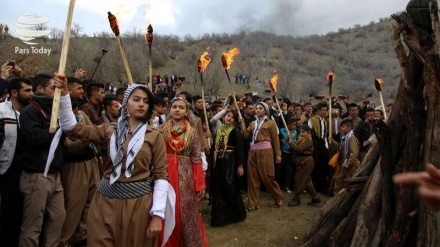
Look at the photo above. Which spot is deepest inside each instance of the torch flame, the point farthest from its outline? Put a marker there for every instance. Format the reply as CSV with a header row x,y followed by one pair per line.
x,y
378,84
273,83
227,57
331,76
148,35
204,61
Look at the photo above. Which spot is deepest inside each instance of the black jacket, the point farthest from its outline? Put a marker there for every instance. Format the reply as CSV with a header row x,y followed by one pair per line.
x,y
35,136
3,86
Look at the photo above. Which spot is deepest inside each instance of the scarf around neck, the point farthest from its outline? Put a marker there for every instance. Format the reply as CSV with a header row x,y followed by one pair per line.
x,y
177,136
119,137
222,136
346,147
257,127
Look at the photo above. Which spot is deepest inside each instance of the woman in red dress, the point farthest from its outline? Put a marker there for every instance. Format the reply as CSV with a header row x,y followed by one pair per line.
x,y
186,176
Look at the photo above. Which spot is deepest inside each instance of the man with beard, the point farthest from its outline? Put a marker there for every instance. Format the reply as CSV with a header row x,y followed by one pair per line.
x,y
93,108
20,91
75,87
42,194
198,107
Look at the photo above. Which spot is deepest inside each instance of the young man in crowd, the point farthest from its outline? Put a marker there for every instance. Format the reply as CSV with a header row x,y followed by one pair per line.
x,y
378,113
93,107
120,92
364,131
43,195
321,176
111,109
74,85
308,113
20,92
349,153
353,112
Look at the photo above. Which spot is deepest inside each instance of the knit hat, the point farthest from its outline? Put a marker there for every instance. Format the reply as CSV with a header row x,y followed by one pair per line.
x,y
266,108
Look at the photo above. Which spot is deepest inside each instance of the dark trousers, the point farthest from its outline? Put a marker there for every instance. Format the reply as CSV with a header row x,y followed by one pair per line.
x,y
321,175
285,171
243,180
11,206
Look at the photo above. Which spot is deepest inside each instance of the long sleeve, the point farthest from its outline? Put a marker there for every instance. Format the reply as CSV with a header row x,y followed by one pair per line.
x,y
246,133
3,86
31,127
238,151
84,132
275,140
217,117
304,147
353,151
196,160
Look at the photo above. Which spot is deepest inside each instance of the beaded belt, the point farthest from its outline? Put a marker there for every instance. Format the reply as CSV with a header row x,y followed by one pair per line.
x,y
124,190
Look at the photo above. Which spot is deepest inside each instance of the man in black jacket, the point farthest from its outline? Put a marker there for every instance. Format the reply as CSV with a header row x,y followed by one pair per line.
x,y
43,195
364,131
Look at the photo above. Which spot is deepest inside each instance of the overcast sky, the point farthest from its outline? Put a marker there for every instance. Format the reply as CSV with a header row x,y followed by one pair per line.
x,y
196,17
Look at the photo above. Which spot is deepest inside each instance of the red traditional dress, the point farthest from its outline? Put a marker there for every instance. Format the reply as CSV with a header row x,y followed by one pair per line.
x,y
187,177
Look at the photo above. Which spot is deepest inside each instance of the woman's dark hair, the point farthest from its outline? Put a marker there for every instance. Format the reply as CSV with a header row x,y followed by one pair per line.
x,y
151,102
235,115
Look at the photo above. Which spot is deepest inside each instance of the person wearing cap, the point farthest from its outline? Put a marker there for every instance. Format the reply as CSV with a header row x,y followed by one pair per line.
x,y
378,113
265,145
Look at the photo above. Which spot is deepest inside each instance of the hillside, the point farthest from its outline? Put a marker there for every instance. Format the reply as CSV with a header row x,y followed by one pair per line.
x,y
358,55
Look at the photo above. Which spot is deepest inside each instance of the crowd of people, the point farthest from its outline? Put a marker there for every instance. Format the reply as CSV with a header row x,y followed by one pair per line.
x,y
127,166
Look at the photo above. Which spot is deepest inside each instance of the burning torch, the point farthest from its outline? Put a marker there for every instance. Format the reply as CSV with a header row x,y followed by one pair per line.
x,y
226,61
378,85
202,64
149,38
273,85
115,28
330,77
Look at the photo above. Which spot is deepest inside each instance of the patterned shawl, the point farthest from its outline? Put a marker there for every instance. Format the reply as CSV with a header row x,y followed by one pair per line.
x,y
118,139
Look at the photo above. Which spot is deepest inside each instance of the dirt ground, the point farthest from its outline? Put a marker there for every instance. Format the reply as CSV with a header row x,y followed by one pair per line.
x,y
267,226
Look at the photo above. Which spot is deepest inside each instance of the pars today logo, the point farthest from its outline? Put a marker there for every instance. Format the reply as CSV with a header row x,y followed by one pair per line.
x,y
28,28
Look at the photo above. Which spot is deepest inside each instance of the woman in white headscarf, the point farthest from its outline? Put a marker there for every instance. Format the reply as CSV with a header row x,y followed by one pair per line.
x,y
126,210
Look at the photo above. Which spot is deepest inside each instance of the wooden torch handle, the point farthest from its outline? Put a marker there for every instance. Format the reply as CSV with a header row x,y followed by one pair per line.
x,y
124,59
282,118
61,68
